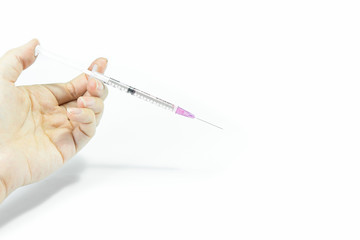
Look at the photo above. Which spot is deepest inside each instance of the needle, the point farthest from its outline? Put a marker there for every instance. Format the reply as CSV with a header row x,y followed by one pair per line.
x,y
210,123
124,87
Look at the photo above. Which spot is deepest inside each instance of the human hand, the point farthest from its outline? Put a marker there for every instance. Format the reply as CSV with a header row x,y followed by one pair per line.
x,y
42,126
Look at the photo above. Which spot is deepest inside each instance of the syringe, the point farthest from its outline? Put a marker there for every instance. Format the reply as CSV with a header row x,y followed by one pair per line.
x,y
123,87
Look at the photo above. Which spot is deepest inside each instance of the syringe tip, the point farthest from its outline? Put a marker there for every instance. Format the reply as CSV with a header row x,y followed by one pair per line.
x,y
210,123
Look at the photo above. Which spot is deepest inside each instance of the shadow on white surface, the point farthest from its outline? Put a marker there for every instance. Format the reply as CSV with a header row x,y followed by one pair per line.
x,y
132,167
30,197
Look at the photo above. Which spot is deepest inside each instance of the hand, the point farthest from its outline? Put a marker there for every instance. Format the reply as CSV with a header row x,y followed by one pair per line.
x,y
42,126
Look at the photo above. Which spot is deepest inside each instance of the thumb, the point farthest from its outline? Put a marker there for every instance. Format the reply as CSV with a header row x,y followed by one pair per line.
x,y
16,60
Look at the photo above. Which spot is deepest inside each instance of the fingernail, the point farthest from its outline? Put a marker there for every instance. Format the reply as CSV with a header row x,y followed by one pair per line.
x,y
99,85
95,67
74,110
80,99
37,50
106,64
88,102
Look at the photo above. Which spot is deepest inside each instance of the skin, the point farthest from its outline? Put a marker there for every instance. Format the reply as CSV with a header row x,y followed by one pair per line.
x,y
43,126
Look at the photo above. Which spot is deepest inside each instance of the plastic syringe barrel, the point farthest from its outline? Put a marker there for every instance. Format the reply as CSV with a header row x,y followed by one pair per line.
x,y
140,94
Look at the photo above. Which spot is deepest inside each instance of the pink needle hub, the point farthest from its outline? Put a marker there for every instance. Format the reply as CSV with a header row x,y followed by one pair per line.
x,y
184,113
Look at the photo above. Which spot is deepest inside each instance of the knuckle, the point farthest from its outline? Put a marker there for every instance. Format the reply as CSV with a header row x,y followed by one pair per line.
x,y
98,118
105,92
92,116
91,132
101,104
71,89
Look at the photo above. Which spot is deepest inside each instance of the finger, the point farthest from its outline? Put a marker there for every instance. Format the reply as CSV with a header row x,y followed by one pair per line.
x,y
95,87
98,108
101,64
85,125
94,103
16,60
81,115
66,92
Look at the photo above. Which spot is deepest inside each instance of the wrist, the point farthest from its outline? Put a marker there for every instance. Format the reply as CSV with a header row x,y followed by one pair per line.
x,y
4,182
8,173
3,189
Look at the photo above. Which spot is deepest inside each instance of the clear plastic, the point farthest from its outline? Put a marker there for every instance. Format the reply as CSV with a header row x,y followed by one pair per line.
x,y
121,86
140,94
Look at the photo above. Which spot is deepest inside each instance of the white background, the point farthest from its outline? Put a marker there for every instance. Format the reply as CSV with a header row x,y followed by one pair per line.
x,y
281,77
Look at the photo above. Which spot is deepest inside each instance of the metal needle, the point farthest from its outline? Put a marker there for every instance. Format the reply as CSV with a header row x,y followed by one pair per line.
x,y
210,123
